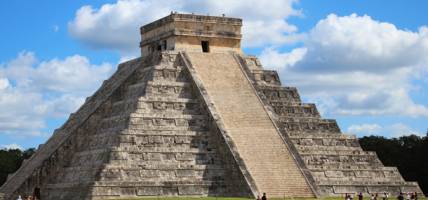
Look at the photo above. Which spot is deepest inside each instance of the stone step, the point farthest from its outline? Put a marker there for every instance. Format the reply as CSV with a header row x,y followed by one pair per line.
x,y
169,89
361,182
344,166
265,77
326,142
175,74
371,173
248,125
278,94
200,122
339,152
296,135
164,165
139,128
137,117
177,133
296,110
326,148
309,125
370,157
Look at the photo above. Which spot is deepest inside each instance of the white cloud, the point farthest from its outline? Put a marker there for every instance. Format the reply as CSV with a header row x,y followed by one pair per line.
x,y
33,92
271,57
365,129
4,83
116,26
11,146
392,130
354,65
400,129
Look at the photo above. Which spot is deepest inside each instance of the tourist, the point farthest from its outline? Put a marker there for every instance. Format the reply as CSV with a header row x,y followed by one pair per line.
x,y
264,196
385,196
412,196
376,196
407,196
416,196
19,197
372,197
400,196
258,197
351,196
360,196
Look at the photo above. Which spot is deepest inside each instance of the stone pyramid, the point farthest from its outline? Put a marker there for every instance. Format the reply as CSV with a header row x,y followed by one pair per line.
x,y
194,116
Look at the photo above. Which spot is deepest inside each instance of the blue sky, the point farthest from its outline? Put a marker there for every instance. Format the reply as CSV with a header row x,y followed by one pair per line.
x,y
363,62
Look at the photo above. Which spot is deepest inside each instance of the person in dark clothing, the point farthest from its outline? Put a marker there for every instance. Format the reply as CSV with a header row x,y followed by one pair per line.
x,y
264,196
360,196
385,196
400,196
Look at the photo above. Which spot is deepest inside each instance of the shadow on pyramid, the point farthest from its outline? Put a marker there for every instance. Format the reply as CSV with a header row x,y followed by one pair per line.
x,y
194,116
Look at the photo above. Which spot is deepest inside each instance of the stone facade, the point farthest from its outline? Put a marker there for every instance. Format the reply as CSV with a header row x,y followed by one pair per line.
x,y
187,32
180,121
334,163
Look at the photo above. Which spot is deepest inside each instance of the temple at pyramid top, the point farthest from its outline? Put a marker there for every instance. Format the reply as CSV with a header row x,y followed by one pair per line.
x,y
194,33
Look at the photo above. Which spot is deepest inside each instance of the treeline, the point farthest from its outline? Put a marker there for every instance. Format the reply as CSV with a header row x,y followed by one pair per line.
x,y
408,153
11,160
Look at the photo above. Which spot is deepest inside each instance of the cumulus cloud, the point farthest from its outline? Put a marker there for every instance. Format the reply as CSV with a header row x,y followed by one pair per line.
x,y
33,91
365,129
392,130
116,26
355,65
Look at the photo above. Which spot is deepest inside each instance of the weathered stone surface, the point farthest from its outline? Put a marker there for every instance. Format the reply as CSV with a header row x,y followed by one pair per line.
x,y
334,163
181,122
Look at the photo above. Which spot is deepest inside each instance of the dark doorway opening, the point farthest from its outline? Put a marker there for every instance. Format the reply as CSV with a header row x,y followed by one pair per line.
x,y
36,193
205,46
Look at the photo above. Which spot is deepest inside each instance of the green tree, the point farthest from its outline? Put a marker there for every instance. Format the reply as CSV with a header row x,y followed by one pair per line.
x,y
407,153
11,160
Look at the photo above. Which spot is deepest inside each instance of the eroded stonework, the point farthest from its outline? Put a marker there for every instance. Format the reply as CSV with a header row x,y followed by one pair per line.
x,y
183,121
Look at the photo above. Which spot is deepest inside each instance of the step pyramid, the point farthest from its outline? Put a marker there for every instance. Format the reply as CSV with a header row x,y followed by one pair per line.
x,y
194,116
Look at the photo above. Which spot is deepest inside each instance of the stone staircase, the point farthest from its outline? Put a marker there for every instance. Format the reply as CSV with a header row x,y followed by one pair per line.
x,y
336,162
257,140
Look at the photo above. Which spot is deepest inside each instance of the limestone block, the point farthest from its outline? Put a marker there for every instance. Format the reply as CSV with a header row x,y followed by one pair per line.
x,y
380,189
185,173
128,191
152,156
184,157
155,191
368,174
349,189
193,190
334,174
149,173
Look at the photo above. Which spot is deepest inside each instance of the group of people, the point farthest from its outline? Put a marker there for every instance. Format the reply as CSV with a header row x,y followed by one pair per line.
x,y
409,196
385,196
27,198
